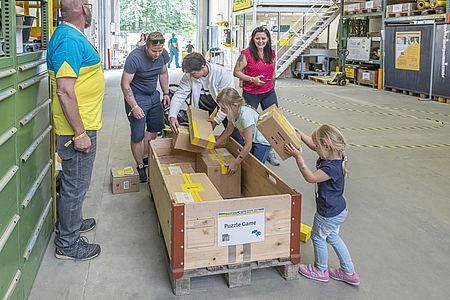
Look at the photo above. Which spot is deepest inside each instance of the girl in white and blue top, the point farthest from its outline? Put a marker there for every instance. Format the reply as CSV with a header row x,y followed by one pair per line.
x,y
244,118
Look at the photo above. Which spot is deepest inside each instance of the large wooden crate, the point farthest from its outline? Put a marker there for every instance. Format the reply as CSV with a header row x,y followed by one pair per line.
x,y
190,229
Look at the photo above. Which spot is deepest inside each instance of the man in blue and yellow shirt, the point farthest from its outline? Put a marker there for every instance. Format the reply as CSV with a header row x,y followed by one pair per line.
x,y
78,88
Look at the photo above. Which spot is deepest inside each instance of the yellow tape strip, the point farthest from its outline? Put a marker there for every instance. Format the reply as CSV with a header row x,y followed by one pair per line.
x,y
285,123
213,114
196,138
126,171
214,155
194,188
211,141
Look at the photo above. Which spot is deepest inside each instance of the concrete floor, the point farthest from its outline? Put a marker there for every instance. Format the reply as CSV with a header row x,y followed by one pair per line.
x,y
397,231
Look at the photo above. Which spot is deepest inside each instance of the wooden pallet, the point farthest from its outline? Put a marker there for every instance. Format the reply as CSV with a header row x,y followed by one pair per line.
x,y
371,10
367,84
235,275
355,12
398,14
407,92
441,99
320,79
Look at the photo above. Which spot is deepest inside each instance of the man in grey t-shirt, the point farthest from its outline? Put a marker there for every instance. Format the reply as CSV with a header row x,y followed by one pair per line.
x,y
143,104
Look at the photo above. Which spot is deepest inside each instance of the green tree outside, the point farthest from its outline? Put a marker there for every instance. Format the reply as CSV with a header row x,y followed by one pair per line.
x,y
179,16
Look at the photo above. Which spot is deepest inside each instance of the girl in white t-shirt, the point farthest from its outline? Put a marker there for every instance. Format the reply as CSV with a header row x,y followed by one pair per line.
x,y
244,118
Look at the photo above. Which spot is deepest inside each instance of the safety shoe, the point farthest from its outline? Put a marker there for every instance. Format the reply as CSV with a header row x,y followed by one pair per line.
x,y
81,250
142,174
272,158
145,160
311,272
341,275
87,225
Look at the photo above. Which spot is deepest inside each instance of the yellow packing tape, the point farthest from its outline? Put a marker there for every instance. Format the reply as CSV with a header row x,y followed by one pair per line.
x,y
211,141
194,188
213,114
196,138
126,171
214,155
285,123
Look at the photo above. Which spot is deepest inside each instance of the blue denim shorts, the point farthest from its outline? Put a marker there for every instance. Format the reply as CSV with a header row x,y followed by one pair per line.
x,y
266,99
154,116
260,151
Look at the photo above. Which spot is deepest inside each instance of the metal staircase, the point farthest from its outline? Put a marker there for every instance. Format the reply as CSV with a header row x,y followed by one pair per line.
x,y
319,16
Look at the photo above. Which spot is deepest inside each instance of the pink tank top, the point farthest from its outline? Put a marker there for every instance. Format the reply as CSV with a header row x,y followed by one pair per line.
x,y
258,68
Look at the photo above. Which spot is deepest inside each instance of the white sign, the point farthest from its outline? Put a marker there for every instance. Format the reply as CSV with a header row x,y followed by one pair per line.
x,y
358,48
240,227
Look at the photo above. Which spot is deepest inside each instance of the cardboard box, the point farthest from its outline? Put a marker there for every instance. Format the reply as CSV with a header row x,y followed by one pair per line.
x,y
369,77
277,130
373,4
177,169
191,188
398,8
355,7
182,141
214,164
124,180
200,129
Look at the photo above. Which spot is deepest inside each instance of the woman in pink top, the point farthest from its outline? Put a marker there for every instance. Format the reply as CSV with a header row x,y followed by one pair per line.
x,y
256,68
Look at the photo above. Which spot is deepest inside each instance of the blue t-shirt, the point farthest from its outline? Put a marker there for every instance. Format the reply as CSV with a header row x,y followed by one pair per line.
x,y
173,44
330,194
146,71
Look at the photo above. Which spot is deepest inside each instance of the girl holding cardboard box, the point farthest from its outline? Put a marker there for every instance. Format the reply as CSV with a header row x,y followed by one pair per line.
x,y
331,168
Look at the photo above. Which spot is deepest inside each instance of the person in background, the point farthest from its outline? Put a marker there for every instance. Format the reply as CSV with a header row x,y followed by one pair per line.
x,y
143,67
244,118
256,68
141,41
174,50
331,169
204,81
78,87
189,47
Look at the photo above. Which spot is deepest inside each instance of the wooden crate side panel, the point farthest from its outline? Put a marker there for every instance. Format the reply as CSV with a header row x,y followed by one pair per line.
x,y
257,179
163,203
201,248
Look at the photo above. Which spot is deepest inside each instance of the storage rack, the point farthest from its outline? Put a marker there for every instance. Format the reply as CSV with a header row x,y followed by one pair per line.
x,y
26,201
364,18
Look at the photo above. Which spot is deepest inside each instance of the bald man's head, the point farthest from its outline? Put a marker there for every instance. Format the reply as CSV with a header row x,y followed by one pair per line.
x,y
69,6
75,11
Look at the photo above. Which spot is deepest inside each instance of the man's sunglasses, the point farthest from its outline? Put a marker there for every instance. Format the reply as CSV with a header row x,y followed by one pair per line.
x,y
157,42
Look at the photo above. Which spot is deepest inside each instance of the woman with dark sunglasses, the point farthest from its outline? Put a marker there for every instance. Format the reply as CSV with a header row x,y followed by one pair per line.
x,y
255,67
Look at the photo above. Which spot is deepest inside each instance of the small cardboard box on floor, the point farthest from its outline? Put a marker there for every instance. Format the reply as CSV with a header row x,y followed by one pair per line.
x,y
200,129
214,164
277,130
177,169
182,141
124,180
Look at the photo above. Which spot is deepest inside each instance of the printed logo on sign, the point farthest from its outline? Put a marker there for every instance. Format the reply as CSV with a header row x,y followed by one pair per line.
x,y
225,237
241,227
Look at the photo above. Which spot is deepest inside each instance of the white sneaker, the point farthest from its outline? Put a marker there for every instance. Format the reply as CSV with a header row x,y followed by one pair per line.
x,y
272,158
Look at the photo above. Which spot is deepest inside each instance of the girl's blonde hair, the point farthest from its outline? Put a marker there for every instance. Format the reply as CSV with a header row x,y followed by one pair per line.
x,y
331,136
229,97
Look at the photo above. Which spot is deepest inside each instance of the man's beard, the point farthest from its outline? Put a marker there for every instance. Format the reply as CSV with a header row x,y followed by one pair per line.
x,y
88,22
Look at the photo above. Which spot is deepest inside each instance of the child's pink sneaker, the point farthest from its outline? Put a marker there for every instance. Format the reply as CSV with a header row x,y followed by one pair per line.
x,y
311,272
341,275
